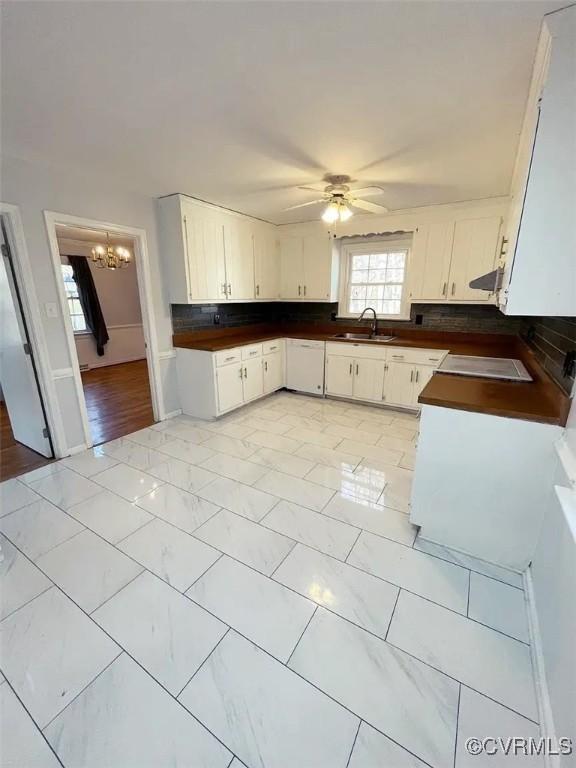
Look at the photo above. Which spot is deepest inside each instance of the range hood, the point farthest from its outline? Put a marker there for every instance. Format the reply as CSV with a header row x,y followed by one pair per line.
x,y
491,281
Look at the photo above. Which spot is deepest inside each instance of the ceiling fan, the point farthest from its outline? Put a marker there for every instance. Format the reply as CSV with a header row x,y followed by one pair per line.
x,y
340,199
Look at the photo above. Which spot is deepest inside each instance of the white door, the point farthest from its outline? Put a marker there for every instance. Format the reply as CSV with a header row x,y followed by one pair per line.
x,y
204,243
398,384
473,254
368,379
339,376
229,386
273,372
266,264
239,250
422,375
17,374
317,256
253,379
291,268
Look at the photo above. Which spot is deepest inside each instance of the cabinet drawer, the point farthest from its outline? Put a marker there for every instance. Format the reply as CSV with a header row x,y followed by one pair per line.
x,y
431,357
254,350
272,346
227,356
361,351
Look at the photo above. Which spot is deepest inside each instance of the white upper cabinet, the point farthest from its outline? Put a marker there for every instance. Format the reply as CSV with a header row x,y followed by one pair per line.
x,y
308,267
266,263
203,255
239,259
430,267
540,274
474,253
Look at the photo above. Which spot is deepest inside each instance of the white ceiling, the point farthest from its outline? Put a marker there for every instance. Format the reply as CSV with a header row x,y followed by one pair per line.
x,y
239,102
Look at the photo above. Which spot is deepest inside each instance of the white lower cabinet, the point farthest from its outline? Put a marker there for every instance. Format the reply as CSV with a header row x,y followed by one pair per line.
x,y
252,379
229,386
273,371
393,376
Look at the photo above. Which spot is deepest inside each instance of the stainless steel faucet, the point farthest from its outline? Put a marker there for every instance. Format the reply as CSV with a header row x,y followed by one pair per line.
x,y
374,326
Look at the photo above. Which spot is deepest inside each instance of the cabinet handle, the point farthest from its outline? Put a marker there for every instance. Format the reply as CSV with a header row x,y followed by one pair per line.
x,y
229,359
229,289
185,235
265,365
257,290
350,369
398,357
304,290
356,369
241,372
224,291
417,375
245,373
412,375
453,288
444,289
273,348
299,290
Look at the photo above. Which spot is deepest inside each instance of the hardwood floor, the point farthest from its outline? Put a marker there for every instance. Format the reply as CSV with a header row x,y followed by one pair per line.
x,y
118,400
15,458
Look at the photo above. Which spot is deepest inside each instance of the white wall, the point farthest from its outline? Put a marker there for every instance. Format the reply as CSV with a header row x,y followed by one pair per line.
x,y
36,187
120,303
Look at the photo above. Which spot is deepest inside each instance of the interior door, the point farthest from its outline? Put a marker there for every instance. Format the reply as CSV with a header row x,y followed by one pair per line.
x,y
273,373
473,254
266,265
291,268
339,375
17,372
204,240
422,375
368,379
398,384
253,381
239,250
229,385
317,257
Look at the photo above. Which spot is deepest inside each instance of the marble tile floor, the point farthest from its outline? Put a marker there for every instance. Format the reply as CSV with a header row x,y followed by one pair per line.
x,y
249,592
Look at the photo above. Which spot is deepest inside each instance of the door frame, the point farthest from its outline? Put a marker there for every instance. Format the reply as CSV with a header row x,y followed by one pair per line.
x,y
143,276
33,318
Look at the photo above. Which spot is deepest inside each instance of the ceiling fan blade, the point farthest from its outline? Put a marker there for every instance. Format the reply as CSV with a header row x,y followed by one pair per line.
x,y
303,205
367,191
317,188
366,206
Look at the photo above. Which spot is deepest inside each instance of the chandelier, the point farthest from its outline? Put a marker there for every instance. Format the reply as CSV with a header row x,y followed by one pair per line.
x,y
110,257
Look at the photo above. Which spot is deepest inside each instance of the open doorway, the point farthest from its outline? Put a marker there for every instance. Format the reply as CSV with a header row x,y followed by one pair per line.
x,y
25,442
106,311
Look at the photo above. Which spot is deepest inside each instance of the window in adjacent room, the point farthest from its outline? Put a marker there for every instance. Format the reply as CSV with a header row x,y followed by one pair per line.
x,y
374,276
74,306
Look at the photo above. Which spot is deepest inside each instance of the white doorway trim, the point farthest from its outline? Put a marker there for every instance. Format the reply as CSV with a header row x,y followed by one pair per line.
x,y
142,264
31,309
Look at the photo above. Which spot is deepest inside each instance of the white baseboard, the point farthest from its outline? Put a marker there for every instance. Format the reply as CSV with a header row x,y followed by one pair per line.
x,y
172,414
75,449
542,696
110,363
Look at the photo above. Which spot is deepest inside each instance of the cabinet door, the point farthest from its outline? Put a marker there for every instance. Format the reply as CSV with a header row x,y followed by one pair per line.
x,y
368,379
432,251
239,250
317,258
229,386
204,247
266,265
253,381
339,375
273,372
398,384
422,375
473,254
291,268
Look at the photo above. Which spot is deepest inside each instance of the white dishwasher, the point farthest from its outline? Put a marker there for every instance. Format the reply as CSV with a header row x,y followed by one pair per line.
x,y
305,366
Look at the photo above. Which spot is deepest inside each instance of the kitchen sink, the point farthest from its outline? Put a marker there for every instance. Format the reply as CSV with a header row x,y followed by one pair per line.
x,y
364,337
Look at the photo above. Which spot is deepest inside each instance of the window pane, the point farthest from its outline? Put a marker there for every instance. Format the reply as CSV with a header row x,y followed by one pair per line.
x,y
391,308
356,306
394,275
360,276
397,259
378,261
360,262
358,292
375,292
392,292
377,276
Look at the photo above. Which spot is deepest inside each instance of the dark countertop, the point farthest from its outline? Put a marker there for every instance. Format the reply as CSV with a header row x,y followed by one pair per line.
x,y
541,400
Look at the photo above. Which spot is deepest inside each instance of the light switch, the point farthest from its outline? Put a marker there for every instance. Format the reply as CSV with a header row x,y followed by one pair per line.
x,y
51,309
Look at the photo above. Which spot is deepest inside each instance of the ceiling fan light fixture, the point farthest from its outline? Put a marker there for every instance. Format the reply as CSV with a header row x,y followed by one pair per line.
x,y
331,213
345,213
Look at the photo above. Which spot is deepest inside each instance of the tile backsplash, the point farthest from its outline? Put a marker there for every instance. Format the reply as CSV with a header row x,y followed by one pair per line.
x,y
437,317
552,338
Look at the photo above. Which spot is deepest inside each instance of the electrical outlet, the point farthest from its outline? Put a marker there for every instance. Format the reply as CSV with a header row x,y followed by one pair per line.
x,y
216,319
569,366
